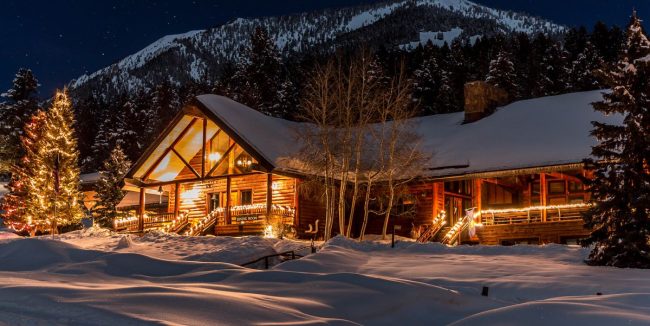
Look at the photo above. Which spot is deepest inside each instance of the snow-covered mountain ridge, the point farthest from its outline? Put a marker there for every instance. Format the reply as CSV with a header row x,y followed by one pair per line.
x,y
198,55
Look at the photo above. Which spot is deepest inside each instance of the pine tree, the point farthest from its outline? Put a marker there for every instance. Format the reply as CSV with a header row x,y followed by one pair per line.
x,y
620,217
502,73
259,76
447,100
552,78
14,113
14,203
425,82
165,103
55,185
582,76
109,190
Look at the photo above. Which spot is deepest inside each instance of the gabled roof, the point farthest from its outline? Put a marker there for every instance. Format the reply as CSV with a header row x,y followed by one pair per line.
x,y
272,138
540,132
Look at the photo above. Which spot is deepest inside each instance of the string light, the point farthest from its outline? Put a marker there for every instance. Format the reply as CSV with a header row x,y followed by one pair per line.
x,y
179,220
533,208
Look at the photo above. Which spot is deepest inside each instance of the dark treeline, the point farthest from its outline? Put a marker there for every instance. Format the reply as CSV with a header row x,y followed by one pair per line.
x,y
525,66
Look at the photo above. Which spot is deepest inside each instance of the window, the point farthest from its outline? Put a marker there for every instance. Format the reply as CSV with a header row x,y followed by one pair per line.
x,y
556,187
575,186
246,197
459,187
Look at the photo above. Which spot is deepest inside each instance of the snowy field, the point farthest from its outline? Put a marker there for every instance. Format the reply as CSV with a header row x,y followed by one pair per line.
x,y
96,277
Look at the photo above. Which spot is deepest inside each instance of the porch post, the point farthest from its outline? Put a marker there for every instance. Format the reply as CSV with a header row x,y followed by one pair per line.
x,y
269,194
177,200
296,203
542,194
141,210
478,184
205,126
227,215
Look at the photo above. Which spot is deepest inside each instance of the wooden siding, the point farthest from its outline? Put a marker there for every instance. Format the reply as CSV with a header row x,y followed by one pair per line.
x,y
310,210
548,232
198,205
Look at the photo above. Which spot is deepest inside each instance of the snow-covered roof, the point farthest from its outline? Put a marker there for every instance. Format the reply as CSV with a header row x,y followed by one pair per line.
x,y
540,132
273,138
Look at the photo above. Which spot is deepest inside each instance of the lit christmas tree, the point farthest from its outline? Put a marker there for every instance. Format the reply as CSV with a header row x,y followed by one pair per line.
x,y
14,203
52,176
109,190
620,218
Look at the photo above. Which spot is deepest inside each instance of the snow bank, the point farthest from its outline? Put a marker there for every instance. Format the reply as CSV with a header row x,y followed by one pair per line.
x,y
628,309
161,278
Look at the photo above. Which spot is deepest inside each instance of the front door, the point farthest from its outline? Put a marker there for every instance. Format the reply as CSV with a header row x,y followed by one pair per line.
x,y
454,208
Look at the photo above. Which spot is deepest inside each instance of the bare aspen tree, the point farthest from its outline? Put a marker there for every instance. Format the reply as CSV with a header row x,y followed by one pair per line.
x,y
401,159
316,154
358,135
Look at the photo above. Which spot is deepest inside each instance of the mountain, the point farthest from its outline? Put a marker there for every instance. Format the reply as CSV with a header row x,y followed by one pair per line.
x,y
199,55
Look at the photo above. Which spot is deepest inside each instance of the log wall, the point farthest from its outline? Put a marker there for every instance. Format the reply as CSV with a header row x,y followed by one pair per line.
x,y
197,204
543,232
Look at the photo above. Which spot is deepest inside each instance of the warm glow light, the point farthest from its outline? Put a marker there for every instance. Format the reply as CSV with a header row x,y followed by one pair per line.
x,y
191,194
214,156
168,176
532,208
268,231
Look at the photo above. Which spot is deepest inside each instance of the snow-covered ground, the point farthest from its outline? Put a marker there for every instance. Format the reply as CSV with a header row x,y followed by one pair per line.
x,y
96,277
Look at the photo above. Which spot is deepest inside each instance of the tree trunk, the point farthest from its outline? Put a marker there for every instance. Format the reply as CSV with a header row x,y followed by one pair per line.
x,y
366,212
391,196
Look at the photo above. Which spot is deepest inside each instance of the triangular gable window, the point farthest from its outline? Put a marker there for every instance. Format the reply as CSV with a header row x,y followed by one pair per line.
x,y
179,154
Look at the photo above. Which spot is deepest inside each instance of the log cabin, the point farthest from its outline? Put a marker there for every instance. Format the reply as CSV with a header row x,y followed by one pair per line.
x,y
497,173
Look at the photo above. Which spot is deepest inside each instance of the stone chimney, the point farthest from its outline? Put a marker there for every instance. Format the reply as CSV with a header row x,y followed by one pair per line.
x,y
481,99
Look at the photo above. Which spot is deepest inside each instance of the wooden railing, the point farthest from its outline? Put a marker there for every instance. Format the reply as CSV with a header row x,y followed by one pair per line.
x,y
130,223
255,209
155,220
533,214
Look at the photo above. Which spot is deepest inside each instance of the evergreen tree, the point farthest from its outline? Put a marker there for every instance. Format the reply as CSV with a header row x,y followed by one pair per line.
x,y
165,103
502,73
109,190
21,103
447,99
620,217
582,76
553,72
47,179
259,76
425,81
22,173
575,41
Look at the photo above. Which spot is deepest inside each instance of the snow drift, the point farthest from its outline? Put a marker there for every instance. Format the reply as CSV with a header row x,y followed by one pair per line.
x,y
85,278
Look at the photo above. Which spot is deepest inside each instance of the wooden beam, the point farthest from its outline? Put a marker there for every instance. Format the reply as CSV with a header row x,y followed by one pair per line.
x,y
186,163
477,194
269,194
183,132
177,194
542,193
205,127
560,175
227,215
164,183
296,202
141,210
220,160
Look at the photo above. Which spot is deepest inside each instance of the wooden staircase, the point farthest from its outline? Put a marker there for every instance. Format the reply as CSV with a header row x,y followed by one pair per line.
x,y
433,229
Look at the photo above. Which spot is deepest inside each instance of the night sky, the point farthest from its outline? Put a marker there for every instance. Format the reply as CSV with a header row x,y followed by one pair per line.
x,y
60,40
